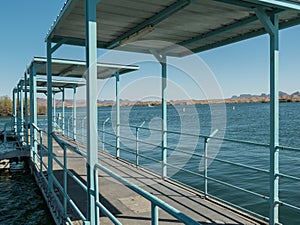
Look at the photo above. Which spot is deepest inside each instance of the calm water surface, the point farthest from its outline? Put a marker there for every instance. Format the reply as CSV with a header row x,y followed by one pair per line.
x,y
248,122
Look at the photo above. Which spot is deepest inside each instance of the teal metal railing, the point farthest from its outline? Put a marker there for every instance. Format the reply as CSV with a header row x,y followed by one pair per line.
x,y
108,139
208,177
67,200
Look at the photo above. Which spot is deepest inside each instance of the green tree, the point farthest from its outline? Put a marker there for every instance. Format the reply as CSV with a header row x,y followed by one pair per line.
x,y
5,106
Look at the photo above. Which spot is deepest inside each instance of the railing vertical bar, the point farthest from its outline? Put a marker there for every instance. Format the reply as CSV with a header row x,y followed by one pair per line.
x,y
205,168
65,181
154,214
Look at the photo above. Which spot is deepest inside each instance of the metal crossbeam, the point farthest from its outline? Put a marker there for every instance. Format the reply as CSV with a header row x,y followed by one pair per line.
x,y
282,4
158,17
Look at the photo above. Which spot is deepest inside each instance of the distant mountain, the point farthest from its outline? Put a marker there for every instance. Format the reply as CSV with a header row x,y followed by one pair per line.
x,y
281,94
242,98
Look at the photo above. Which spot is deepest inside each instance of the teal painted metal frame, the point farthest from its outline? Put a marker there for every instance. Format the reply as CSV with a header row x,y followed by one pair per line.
x,y
33,111
92,113
63,110
26,109
15,93
162,59
117,114
49,116
271,24
74,111
22,111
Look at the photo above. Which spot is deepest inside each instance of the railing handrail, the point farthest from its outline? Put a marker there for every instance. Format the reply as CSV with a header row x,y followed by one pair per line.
x,y
153,199
169,209
199,135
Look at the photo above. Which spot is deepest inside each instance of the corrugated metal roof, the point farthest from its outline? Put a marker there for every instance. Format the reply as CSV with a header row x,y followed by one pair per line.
x,y
77,68
197,25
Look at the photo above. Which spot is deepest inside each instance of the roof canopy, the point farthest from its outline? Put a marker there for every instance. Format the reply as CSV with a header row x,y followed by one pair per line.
x,y
57,84
77,68
194,24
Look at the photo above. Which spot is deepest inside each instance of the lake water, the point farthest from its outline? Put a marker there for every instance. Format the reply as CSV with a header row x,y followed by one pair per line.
x,y
21,200
248,122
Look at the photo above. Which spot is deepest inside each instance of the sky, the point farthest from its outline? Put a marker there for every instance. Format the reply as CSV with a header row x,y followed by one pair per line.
x,y
238,68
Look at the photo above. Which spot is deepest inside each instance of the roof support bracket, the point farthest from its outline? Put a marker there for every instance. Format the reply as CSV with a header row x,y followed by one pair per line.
x,y
265,20
161,58
58,44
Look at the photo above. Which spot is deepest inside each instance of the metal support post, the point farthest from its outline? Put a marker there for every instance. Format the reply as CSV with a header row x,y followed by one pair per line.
x,y
18,110
271,24
205,167
26,108
164,115
274,122
54,109
15,93
205,170
117,115
49,114
41,152
137,143
103,133
92,113
163,61
63,111
74,112
33,111
65,181
22,110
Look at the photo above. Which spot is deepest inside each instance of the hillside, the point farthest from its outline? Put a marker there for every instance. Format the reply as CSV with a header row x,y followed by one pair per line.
x,y
243,98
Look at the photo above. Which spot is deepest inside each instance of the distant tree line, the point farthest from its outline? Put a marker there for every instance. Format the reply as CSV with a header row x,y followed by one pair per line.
x,y
6,107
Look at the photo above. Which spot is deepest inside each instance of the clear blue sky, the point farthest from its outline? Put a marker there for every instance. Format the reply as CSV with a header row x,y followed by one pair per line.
x,y
239,68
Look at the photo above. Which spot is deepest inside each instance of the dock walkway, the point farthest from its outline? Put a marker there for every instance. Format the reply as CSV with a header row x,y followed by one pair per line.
x,y
131,208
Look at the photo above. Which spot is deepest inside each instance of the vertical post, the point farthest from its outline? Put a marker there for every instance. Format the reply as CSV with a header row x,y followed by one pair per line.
x,y
49,114
103,133
164,115
26,108
137,143
33,111
274,122
15,93
117,115
137,146
205,166
54,109
32,140
65,181
18,110
154,214
22,110
92,114
74,112
34,107
63,111
41,151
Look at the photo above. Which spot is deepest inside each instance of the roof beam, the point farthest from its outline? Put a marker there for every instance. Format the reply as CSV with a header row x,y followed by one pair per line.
x,y
65,11
155,19
76,41
248,35
282,4
217,32
220,31
237,3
